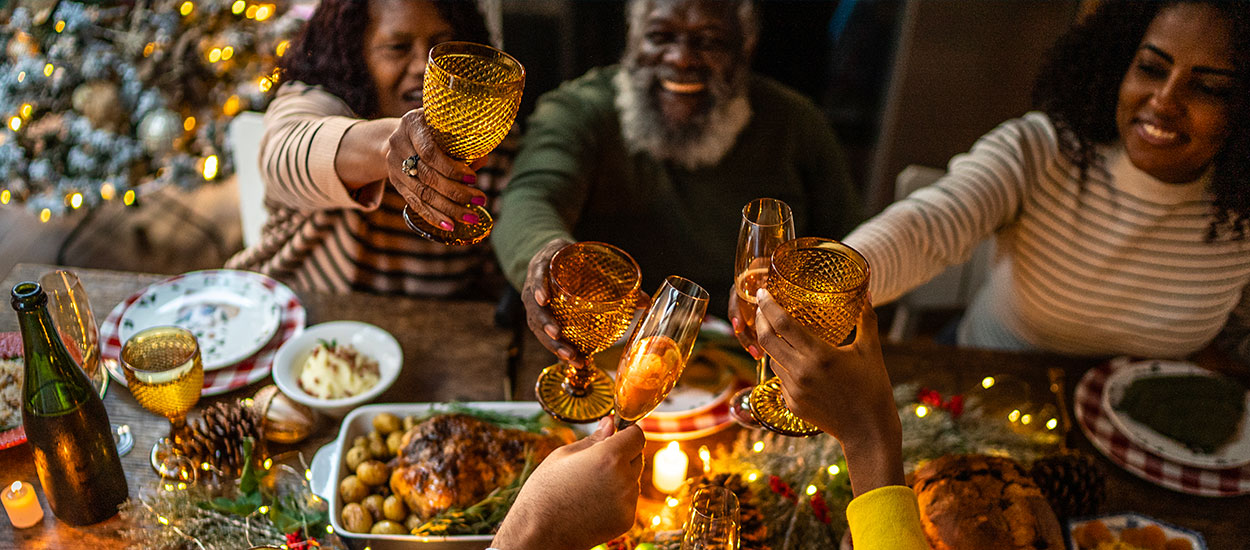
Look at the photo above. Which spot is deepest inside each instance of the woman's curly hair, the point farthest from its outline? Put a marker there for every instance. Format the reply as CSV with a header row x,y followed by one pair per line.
x,y
330,51
1078,88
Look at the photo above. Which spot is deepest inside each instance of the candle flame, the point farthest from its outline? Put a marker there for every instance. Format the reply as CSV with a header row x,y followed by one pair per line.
x,y
706,457
16,487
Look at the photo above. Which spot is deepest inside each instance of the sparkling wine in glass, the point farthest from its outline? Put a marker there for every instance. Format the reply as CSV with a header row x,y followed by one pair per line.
x,y
823,284
766,223
165,375
471,94
75,322
593,288
713,523
659,348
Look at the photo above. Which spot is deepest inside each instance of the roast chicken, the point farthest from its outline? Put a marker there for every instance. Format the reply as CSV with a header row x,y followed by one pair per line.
x,y
455,460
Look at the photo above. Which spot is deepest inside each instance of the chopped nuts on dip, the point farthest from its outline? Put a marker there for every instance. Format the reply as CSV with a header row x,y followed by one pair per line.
x,y
334,372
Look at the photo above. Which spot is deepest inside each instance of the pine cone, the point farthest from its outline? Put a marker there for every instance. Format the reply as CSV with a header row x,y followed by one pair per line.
x,y
1073,482
217,436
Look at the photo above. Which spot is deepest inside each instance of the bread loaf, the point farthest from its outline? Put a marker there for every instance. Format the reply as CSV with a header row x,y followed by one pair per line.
x,y
973,502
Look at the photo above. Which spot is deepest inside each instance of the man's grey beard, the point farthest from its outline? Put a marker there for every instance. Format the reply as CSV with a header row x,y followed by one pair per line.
x,y
702,141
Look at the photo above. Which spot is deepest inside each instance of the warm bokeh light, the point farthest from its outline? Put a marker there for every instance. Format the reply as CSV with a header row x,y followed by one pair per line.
x,y
227,52
751,477
5,196
921,411
107,191
1026,419
45,215
987,382
263,12
75,201
706,457
655,521
671,502
186,8
758,447
251,12
282,46
833,469
21,76
27,109
811,490
210,172
1014,415
148,49
129,197
47,69
15,123
264,84
1052,423
60,26
238,6
188,124
214,55
231,107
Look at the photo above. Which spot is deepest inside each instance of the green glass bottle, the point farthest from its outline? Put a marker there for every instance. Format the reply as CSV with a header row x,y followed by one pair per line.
x,y
66,424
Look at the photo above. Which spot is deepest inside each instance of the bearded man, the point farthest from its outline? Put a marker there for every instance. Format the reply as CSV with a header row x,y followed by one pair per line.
x,y
659,154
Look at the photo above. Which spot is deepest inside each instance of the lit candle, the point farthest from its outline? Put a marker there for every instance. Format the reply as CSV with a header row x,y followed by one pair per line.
x,y
21,504
668,470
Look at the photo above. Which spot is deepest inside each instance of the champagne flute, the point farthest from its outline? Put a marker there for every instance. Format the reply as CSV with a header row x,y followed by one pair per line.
x,y
823,284
713,523
594,287
75,323
659,348
165,375
766,223
471,94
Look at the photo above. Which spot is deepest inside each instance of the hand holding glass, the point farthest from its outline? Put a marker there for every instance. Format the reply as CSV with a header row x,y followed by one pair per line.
x,y
471,93
165,375
659,348
823,284
593,289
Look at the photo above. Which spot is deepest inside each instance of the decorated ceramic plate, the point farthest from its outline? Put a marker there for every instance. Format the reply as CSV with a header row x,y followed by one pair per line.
x,y
11,366
232,313
1118,524
1234,453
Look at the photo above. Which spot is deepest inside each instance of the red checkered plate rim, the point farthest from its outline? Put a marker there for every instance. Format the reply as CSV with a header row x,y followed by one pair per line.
x,y
703,424
243,373
1111,442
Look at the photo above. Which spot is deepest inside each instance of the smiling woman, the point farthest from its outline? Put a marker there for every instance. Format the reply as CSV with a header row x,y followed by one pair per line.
x,y
1120,209
336,136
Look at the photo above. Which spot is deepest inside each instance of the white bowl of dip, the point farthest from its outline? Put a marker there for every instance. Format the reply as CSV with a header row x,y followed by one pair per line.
x,y
368,340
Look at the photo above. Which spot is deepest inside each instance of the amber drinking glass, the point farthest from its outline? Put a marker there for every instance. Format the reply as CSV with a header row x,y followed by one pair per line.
x,y
659,348
165,375
766,223
822,283
713,523
471,94
593,289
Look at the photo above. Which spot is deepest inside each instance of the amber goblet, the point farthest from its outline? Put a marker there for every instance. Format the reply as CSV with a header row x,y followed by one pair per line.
x,y
823,284
471,93
165,375
593,288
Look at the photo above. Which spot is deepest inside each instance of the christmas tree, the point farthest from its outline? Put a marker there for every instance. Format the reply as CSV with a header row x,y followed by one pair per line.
x,y
107,101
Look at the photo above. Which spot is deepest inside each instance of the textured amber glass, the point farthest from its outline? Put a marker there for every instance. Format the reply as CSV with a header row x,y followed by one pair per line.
x,y
593,290
471,93
164,371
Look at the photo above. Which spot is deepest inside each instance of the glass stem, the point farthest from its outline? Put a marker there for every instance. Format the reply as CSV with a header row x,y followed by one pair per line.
x,y
577,380
762,371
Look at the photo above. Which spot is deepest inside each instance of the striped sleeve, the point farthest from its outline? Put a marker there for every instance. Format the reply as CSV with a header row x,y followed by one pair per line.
x,y
940,225
303,128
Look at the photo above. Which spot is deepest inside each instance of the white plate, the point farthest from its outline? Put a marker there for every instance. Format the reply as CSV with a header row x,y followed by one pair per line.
x,y
329,466
232,313
1119,522
1230,455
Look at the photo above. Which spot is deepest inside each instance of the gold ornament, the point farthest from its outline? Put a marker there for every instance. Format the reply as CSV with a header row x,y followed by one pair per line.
x,y
284,420
98,100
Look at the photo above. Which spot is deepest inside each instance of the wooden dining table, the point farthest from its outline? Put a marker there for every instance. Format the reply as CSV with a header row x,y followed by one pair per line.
x,y
453,351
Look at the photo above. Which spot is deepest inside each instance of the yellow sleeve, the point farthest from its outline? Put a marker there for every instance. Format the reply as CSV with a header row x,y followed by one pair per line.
x,y
886,518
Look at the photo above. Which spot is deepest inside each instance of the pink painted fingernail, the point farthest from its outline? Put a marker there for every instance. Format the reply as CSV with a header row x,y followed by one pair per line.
x,y
469,218
736,323
552,331
447,226
469,178
565,354
755,352
478,200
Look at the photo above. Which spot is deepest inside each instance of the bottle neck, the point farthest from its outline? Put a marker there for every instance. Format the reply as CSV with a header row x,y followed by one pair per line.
x,y
54,383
